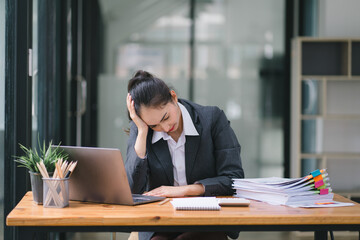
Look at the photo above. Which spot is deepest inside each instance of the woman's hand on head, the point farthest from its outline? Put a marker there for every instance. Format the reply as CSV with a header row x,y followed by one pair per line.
x,y
177,191
141,125
140,143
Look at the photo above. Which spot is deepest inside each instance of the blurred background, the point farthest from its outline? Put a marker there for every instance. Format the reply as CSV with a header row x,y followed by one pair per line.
x,y
65,76
213,52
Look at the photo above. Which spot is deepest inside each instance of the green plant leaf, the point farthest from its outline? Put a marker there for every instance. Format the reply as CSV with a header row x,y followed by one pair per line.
x,y
48,154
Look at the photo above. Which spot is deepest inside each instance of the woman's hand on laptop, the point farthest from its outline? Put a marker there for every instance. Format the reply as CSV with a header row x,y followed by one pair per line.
x,y
178,191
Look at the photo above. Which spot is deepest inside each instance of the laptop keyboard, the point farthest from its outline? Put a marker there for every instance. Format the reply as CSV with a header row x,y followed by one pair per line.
x,y
140,199
143,198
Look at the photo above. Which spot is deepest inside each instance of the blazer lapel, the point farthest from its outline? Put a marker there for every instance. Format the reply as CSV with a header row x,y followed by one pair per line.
x,y
162,153
192,143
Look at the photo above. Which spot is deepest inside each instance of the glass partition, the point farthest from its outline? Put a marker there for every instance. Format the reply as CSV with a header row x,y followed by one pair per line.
x,y
156,40
239,67
239,53
2,113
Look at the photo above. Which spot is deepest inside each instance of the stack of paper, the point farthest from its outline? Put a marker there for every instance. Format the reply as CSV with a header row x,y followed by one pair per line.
x,y
305,191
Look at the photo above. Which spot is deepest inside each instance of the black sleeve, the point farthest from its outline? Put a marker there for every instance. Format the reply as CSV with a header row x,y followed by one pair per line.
x,y
227,156
136,168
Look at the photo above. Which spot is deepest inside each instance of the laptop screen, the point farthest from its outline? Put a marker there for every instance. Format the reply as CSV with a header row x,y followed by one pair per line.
x,y
99,176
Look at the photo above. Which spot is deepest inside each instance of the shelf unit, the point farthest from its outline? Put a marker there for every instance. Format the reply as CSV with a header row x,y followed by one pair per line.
x,y
325,110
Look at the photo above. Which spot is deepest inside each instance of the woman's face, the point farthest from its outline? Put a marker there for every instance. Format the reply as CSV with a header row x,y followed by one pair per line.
x,y
165,118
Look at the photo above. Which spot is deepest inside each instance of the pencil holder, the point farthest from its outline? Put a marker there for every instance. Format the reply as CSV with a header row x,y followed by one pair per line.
x,y
56,192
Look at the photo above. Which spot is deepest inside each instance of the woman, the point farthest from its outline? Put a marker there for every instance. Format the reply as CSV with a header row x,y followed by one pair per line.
x,y
177,148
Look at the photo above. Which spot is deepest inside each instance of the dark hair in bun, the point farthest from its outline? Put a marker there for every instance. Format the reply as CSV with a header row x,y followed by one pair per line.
x,y
148,90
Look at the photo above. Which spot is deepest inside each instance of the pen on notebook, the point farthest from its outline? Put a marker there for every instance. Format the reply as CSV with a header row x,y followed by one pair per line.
x,y
164,201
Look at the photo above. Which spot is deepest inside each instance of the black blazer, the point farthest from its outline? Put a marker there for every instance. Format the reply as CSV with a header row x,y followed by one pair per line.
x,y
212,158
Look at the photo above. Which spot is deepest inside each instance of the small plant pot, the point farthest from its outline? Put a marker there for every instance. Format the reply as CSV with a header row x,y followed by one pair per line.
x,y
36,187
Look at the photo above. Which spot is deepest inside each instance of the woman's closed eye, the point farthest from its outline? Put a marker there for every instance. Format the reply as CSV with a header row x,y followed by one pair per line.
x,y
164,119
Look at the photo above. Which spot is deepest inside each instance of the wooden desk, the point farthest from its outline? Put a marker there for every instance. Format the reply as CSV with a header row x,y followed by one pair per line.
x,y
259,216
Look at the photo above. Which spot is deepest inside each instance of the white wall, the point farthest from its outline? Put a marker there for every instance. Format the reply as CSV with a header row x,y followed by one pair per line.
x,y
339,18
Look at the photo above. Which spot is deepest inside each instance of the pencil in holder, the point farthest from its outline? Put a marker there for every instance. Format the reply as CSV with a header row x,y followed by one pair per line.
x,y
56,192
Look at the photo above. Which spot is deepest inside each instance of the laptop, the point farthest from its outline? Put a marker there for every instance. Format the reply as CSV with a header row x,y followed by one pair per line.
x,y
100,177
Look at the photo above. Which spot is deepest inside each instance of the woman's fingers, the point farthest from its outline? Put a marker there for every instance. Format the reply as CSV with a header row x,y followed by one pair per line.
x,y
155,192
130,106
129,102
167,191
137,120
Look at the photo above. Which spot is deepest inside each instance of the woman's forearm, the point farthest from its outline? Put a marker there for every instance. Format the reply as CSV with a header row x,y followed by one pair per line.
x,y
178,191
140,144
195,190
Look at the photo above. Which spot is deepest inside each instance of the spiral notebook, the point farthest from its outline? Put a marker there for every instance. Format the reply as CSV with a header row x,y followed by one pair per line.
x,y
196,203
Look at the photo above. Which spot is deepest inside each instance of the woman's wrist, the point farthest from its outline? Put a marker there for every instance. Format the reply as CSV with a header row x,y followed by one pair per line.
x,y
195,190
142,132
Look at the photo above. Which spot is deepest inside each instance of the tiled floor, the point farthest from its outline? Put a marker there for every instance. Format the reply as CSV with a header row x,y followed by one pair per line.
x,y
243,236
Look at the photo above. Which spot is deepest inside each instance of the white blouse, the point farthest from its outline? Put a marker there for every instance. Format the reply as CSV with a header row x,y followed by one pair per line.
x,y
177,149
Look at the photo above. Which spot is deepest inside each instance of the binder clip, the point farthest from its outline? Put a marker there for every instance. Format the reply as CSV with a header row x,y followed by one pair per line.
x,y
318,178
324,191
319,183
315,173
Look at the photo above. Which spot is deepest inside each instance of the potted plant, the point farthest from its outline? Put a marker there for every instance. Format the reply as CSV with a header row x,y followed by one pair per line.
x,y
49,155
